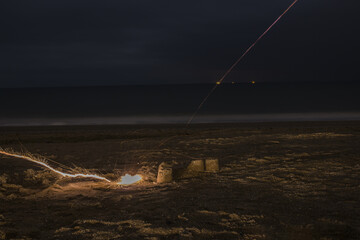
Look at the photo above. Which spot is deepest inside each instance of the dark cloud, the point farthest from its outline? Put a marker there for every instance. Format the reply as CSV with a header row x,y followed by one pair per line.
x,y
61,43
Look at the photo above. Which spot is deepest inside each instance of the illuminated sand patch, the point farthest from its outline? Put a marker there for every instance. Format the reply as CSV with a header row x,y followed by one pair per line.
x,y
128,179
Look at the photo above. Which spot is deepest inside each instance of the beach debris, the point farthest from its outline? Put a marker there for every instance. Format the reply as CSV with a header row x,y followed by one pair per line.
x,y
164,173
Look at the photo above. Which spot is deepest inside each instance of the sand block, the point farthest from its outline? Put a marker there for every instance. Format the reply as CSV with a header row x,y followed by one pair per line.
x,y
164,173
196,166
193,169
212,165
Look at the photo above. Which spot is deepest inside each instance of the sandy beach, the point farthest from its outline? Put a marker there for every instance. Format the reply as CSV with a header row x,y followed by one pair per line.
x,y
296,180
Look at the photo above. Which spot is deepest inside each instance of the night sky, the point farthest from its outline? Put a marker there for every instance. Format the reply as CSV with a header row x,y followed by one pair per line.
x,y
91,43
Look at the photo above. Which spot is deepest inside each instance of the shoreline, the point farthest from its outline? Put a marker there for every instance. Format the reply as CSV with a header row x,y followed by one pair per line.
x,y
182,119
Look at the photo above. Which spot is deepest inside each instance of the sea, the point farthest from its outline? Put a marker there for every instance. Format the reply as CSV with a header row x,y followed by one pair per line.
x,y
174,104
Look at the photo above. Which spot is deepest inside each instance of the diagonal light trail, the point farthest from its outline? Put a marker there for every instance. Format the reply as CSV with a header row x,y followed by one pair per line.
x,y
237,61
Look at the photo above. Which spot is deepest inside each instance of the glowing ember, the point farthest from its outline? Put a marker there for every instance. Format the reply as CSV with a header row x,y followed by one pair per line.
x,y
128,179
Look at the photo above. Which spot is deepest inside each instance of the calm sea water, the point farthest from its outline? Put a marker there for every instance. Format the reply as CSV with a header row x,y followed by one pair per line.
x,y
176,103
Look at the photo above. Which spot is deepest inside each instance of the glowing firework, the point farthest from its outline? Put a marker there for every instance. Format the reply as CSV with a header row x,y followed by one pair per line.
x,y
53,169
125,180
128,179
237,61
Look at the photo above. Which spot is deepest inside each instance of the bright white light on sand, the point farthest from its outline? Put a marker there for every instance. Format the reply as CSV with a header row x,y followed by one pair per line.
x,y
128,179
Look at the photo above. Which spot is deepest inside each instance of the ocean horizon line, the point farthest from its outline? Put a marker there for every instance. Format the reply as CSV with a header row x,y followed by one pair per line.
x,y
185,84
182,119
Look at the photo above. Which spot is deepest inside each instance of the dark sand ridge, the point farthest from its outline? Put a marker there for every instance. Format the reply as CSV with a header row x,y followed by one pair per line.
x,y
277,181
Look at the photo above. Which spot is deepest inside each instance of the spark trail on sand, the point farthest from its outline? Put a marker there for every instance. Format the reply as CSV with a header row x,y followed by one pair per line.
x,y
237,61
53,169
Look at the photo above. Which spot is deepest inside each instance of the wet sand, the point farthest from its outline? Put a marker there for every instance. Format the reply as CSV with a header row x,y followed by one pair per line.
x,y
276,181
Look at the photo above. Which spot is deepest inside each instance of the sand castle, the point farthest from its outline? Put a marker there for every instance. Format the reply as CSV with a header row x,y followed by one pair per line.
x,y
169,172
